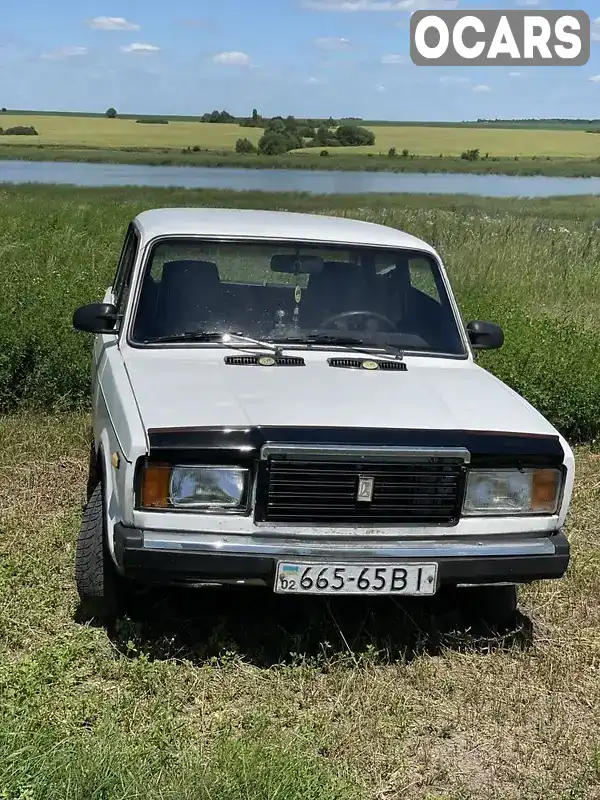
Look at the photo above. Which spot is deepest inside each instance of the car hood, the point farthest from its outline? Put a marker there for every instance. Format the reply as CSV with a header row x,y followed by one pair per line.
x,y
195,388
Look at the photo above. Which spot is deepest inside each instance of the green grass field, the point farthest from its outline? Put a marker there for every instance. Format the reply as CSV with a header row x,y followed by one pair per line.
x,y
427,141
253,697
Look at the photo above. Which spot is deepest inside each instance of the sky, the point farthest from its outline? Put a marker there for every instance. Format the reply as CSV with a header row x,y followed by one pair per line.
x,y
309,58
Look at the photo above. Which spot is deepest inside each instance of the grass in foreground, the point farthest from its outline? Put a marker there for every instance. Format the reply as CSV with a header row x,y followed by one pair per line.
x,y
252,698
530,266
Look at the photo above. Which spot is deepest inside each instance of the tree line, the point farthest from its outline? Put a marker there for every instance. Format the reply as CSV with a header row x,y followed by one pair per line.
x,y
284,134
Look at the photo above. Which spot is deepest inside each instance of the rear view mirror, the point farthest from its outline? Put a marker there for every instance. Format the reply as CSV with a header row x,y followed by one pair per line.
x,y
485,335
96,318
296,264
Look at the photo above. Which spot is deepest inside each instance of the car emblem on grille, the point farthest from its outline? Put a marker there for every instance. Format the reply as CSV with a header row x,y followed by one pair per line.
x,y
366,485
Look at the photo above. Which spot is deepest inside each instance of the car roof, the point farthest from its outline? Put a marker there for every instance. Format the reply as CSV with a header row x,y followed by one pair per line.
x,y
252,224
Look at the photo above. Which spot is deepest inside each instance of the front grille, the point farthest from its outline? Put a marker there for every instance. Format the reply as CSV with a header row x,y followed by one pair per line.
x,y
325,491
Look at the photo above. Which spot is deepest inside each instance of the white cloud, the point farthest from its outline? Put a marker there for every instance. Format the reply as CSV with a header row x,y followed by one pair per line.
x,y
380,5
65,52
528,2
315,81
139,47
515,74
331,43
596,29
233,58
595,79
112,24
454,79
482,87
382,89
393,58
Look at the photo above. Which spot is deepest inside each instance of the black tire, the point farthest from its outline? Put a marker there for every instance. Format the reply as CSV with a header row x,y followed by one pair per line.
x,y
496,606
98,582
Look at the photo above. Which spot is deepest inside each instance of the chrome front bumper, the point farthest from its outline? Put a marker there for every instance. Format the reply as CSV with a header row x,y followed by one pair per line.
x,y
178,557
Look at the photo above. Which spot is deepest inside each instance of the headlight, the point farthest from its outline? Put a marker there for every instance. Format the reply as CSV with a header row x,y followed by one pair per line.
x,y
512,491
183,487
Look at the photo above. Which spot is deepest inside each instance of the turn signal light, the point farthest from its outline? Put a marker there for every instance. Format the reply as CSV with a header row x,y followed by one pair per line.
x,y
155,485
544,490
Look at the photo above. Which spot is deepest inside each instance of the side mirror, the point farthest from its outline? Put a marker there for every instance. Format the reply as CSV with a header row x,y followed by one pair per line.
x,y
485,335
96,318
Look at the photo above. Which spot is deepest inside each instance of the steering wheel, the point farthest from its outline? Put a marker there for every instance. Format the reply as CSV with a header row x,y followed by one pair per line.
x,y
373,314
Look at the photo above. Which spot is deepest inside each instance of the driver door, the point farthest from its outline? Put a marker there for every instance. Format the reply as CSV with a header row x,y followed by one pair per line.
x,y
106,344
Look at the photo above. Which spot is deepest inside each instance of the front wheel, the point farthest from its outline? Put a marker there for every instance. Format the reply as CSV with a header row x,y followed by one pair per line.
x,y
98,582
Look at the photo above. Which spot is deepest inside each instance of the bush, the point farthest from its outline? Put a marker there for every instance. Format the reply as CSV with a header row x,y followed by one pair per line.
x,y
255,121
405,153
392,152
273,144
244,146
110,113
20,130
470,155
218,116
324,138
354,135
152,121
324,153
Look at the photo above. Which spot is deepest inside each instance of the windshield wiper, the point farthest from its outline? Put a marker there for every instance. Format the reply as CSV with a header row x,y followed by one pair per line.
x,y
343,341
320,338
208,336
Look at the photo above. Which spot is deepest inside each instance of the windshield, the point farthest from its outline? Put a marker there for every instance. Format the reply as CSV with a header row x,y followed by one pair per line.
x,y
296,293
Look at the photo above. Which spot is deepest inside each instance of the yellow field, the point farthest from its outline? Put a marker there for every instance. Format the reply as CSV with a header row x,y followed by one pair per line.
x,y
102,132
496,142
114,133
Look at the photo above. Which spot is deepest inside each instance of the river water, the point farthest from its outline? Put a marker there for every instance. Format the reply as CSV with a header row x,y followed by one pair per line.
x,y
320,182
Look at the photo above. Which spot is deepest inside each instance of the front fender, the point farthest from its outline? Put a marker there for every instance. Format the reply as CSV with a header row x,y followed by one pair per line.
x,y
119,437
569,462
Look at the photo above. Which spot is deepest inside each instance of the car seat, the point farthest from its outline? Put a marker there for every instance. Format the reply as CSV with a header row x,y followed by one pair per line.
x,y
190,296
339,287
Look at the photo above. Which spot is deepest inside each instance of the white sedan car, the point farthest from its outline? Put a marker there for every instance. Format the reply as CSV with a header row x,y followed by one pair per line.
x,y
291,401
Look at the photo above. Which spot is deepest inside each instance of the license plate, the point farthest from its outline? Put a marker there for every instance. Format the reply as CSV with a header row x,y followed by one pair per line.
x,y
408,579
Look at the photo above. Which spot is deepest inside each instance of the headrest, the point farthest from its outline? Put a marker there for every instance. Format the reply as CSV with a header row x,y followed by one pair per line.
x,y
343,274
184,270
338,270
